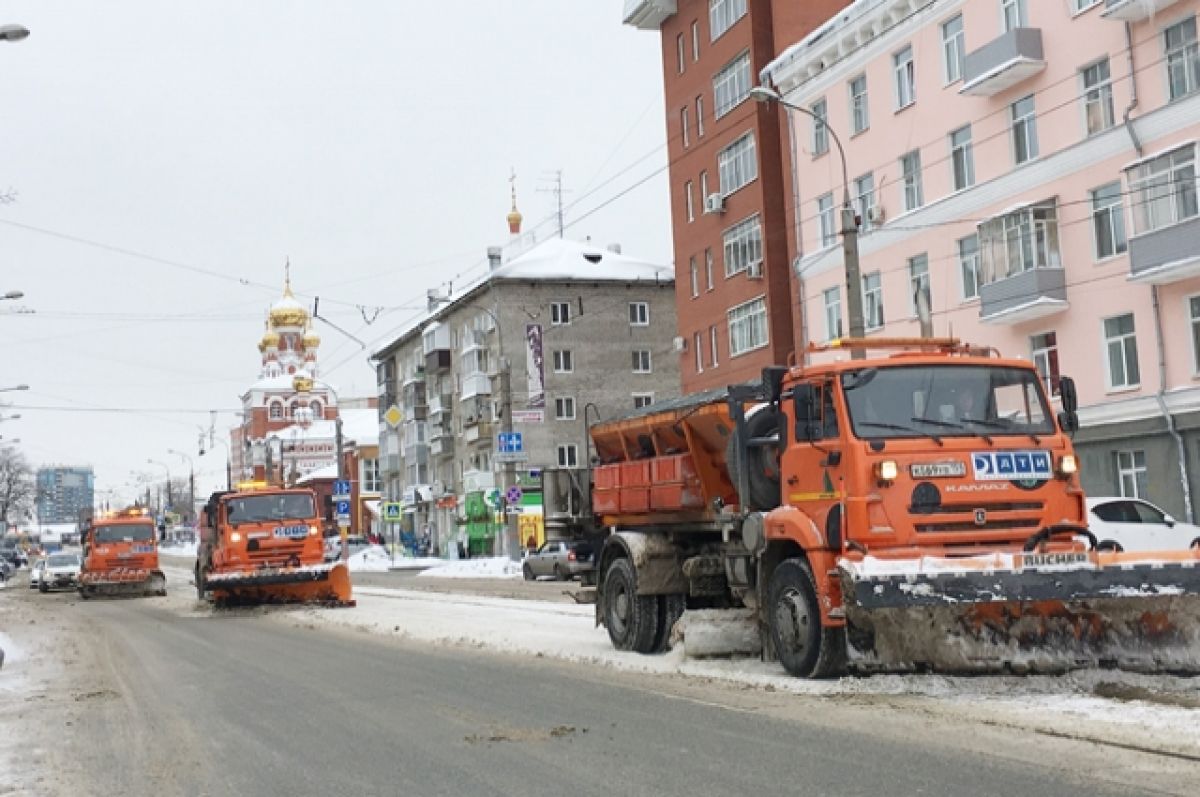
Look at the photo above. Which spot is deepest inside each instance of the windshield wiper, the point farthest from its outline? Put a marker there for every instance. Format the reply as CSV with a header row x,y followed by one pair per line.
x,y
897,427
1037,441
948,425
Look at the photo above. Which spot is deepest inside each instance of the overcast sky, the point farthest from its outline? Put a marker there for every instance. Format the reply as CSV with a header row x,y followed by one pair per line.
x,y
165,158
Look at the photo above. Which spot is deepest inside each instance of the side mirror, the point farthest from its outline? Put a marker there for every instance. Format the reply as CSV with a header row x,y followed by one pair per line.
x,y
1170,521
1066,392
1068,422
772,379
804,397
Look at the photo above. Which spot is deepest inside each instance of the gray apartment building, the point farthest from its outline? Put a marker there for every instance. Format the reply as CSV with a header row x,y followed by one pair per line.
x,y
62,492
588,333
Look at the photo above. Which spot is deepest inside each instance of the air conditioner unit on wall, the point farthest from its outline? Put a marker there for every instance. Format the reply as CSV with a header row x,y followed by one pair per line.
x,y
875,214
755,270
714,203
679,343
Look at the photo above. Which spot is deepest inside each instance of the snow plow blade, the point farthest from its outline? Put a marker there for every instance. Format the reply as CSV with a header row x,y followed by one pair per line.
x,y
122,583
1023,613
327,584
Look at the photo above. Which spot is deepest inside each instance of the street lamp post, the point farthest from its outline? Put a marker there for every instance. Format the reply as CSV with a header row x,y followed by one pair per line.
x,y
213,440
849,230
191,480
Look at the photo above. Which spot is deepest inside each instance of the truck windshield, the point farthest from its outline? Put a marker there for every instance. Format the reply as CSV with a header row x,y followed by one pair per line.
x,y
258,508
125,531
948,400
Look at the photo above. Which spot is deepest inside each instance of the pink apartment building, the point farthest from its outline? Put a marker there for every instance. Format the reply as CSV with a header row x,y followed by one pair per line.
x,y
1028,167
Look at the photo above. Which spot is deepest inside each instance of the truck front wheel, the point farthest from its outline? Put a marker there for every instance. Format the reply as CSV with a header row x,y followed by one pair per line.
x,y
199,583
631,619
805,647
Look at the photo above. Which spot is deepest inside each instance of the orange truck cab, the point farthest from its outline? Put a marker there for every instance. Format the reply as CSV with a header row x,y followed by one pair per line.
x,y
120,556
264,544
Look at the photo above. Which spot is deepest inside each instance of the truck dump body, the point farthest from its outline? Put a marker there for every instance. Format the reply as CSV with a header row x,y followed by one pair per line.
x,y
121,558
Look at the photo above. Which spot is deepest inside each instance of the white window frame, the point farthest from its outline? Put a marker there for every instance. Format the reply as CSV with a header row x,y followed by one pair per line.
x,y
918,280
700,116
689,201
708,269
1045,358
639,314
742,245
968,264
967,157
912,191
864,200
564,408
1147,197
1024,131
737,164
820,130
954,50
695,40
873,301
748,330
1111,206
681,52
904,71
695,277
641,361
564,361
713,346
1192,308
568,455
833,312
1182,58
1013,14
731,85
642,400
560,314
722,15
860,112
1079,6
826,233
1128,466
703,187
1097,93
683,126
698,348
369,475
1127,341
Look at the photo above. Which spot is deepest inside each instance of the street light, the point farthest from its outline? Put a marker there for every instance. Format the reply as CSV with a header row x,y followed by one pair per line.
x,y
849,229
13,295
13,33
16,387
191,479
213,439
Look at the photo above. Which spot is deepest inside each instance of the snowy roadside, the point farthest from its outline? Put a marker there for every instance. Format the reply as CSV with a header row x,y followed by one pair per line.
x,y
1153,712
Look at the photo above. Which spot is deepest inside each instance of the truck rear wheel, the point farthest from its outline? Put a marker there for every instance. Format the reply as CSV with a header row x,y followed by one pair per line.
x,y
805,647
670,609
199,583
631,619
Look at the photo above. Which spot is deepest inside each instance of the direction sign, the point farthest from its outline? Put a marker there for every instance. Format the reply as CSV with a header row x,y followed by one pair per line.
x,y
510,443
341,489
392,511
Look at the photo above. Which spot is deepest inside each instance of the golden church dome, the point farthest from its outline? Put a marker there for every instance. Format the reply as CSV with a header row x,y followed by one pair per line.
x,y
287,312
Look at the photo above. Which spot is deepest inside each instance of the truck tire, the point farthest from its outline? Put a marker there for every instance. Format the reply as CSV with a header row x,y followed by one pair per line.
x,y
631,619
670,609
42,586
199,584
762,462
805,647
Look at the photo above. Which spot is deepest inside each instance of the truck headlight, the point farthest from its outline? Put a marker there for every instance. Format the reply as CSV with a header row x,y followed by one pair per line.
x,y
235,536
313,531
887,470
1068,465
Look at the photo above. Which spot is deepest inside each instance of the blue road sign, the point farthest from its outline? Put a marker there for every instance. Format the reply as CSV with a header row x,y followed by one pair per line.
x,y
512,495
341,487
391,510
342,507
510,443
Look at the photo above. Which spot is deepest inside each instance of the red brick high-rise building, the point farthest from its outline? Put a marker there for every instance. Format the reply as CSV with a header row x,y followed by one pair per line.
x,y
731,213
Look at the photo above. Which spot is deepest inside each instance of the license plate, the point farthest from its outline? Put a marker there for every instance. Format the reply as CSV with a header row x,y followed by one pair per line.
x,y
1034,560
937,470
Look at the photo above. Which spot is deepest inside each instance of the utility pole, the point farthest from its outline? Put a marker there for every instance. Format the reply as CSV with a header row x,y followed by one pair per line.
x,y
511,523
339,442
557,190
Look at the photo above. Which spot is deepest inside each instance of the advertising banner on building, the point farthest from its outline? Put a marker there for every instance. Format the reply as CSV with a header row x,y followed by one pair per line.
x,y
535,366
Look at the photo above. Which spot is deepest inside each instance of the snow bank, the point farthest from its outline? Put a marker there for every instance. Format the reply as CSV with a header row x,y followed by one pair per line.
x,y
374,559
496,567
417,562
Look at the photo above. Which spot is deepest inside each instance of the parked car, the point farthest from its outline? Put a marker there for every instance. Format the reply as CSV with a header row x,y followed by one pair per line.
x,y
35,573
1131,524
559,558
333,546
14,556
6,570
60,571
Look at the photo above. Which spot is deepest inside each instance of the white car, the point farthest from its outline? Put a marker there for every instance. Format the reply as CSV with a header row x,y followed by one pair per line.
x,y
35,573
60,571
1131,524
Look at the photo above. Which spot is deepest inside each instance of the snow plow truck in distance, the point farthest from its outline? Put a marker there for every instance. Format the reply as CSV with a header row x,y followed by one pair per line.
x,y
120,556
916,510
263,544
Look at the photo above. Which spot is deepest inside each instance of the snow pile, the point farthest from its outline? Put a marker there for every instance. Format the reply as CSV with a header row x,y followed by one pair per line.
x,y
406,562
373,559
178,549
495,567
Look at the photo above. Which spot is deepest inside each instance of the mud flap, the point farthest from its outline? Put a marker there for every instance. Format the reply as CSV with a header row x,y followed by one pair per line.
x,y
1076,610
327,584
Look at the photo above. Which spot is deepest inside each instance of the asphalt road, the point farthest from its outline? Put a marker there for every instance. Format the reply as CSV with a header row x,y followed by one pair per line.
x,y
162,697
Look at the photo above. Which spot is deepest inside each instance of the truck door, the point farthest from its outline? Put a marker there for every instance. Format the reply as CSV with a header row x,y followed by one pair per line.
x,y
812,462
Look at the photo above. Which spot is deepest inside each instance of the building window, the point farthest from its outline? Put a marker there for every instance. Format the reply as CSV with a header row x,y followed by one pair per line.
x,y
968,265
743,245
1108,221
560,313
1043,351
1019,241
833,312
906,77
708,268
712,345
747,326
722,14
860,119
1097,96
864,200
276,411
698,348
564,408
641,361
1083,5
639,314
695,40
642,400
695,277
918,284
873,301
564,361
1183,58
568,456
1194,317
1131,473
737,164
954,49
683,125
828,236
1163,190
689,201
820,133
680,50
910,171
962,158
371,483
731,85
1121,344
1024,130
1012,14
700,117
703,187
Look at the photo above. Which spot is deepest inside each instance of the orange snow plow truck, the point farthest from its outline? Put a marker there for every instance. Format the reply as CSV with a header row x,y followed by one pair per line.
x,y
263,544
120,556
916,510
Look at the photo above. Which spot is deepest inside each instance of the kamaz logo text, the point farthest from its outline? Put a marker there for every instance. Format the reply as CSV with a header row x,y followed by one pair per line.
x,y
973,488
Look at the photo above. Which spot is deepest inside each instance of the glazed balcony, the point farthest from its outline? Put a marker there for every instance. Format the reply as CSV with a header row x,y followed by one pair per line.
x,y
1022,297
1134,10
1165,255
1003,62
648,14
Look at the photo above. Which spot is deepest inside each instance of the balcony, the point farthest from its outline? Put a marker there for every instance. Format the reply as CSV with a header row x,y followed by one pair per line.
x,y
1165,255
1133,10
391,463
442,447
1003,62
473,339
414,377
648,14
437,361
476,384
441,404
480,432
1022,297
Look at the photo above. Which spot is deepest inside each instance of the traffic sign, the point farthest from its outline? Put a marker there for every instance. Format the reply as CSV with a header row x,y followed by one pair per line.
x,y
342,507
391,511
512,495
510,443
493,498
341,489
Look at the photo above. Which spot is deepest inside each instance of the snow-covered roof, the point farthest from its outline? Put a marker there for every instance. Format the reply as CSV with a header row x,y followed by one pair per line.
x,y
361,426
326,472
